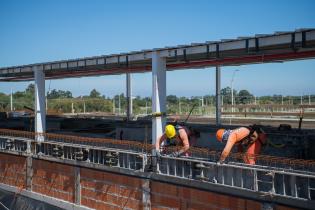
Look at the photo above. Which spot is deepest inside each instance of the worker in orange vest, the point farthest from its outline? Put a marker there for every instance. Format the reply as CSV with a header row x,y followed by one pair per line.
x,y
249,140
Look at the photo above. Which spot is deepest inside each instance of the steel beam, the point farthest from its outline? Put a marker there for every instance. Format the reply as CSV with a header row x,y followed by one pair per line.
x,y
158,95
218,96
129,96
299,44
40,112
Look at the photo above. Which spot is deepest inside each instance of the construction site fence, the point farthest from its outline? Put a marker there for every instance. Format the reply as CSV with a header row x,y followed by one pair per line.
x,y
205,105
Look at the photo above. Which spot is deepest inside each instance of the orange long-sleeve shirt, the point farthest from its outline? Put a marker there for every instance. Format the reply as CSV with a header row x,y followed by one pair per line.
x,y
235,137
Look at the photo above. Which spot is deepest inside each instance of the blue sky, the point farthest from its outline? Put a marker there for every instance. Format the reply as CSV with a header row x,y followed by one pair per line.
x,y
38,31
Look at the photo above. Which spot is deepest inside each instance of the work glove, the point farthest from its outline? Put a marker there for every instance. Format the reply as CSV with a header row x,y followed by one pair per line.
x,y
175,154
220,162
158,153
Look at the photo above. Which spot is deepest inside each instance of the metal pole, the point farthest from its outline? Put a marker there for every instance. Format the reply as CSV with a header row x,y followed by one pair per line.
x,y
119,104
200,107
11,100
129,96
114,105
232,92
218,95
281,99
222,98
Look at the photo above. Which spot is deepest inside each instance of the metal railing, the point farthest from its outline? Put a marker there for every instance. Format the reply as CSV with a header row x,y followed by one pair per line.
x,y
77,152
273,176
267,180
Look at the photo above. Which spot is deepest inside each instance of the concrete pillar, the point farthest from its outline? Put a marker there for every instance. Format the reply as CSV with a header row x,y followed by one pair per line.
x,y
218,95
29,166
40,112
29,172
158,95
129,96
77,185
146,194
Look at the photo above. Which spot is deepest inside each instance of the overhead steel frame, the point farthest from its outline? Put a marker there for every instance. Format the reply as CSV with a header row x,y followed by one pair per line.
x,y
277,47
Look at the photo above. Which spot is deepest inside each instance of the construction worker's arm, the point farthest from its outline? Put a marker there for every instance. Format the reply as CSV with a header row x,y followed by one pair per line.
x,y
228,147
184,138
159,142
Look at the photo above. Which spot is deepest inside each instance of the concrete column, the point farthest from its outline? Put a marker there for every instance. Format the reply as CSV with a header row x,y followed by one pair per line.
x,y
40,112
77,185
218,95
129,96
158,95
29,172
29,166
146,194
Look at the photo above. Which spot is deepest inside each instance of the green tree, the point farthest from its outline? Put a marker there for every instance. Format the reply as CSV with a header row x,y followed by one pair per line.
x,y
171,99
95,94
227,96
54,94
244,97
30,88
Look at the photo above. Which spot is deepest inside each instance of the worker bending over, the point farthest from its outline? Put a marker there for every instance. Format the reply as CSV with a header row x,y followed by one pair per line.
x,y
176,136
248,139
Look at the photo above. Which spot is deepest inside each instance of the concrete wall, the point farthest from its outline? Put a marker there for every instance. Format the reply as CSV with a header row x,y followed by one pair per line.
x,y
99,189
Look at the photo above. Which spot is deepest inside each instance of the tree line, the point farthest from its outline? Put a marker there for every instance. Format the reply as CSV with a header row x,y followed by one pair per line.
x,y
63,101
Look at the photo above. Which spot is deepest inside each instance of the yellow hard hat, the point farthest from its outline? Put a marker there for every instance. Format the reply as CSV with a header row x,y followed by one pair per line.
x,y
170,131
